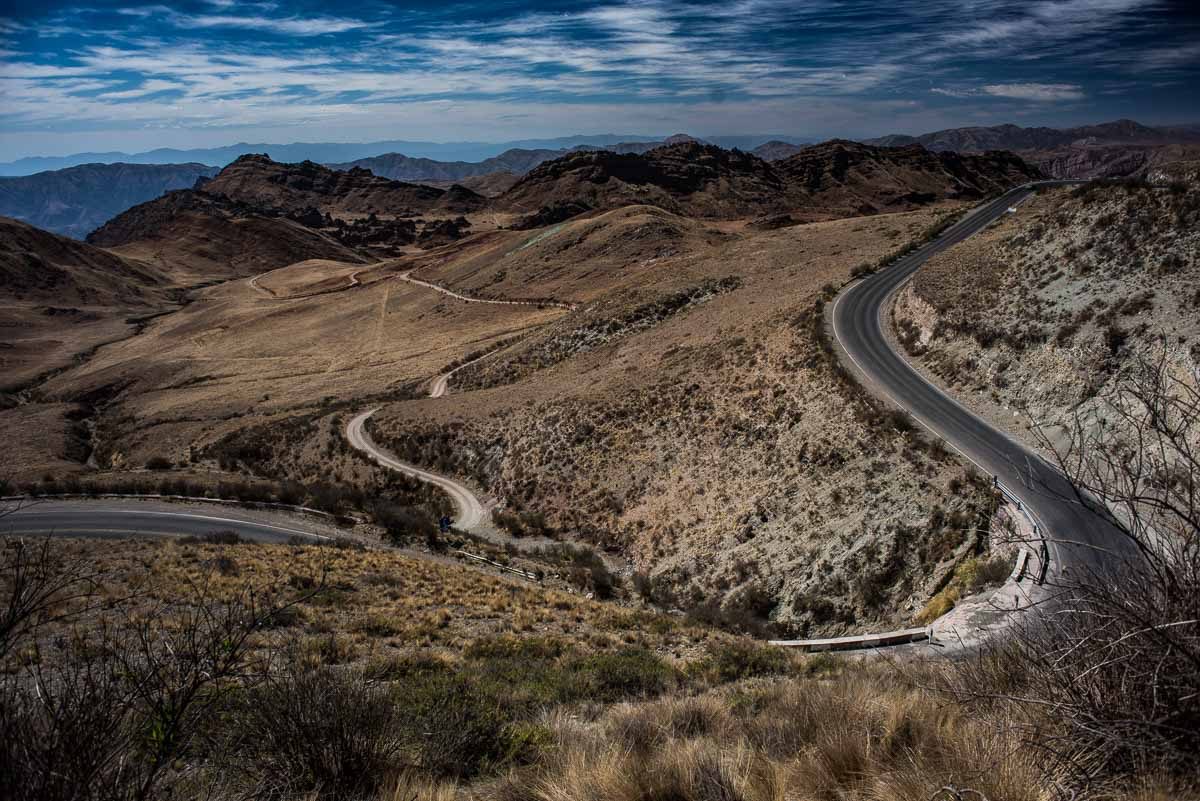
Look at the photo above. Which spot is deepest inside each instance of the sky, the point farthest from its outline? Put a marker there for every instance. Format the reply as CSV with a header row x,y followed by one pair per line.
x,y
99,75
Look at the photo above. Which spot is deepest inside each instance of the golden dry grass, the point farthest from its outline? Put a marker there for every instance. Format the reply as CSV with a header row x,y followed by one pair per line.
x,y
379,603
863,734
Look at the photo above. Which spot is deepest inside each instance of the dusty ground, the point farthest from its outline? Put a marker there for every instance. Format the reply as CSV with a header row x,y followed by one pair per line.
x,y
237,356
684,417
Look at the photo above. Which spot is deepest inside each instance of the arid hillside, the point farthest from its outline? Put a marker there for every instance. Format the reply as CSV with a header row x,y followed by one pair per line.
x,y
61,301
198,237
62,298
687,416
834,179
1035,318
666,392
39,266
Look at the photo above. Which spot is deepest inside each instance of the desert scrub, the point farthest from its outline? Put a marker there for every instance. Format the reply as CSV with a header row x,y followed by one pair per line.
x,y
973,575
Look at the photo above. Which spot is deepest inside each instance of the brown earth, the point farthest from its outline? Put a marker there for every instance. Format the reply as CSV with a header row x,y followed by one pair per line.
x,y
198,237
62,298
685,414
686,417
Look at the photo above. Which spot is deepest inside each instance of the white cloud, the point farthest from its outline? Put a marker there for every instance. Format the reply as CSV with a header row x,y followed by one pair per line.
x,y
952,92
293,26
1168,58
1041,92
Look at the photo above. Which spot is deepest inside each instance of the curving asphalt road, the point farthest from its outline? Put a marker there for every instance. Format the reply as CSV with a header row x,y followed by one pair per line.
x,y
1080,541
116,519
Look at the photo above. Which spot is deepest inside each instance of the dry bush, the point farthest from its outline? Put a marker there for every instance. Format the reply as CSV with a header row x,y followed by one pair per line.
x,y
1114,658
332,733
107,710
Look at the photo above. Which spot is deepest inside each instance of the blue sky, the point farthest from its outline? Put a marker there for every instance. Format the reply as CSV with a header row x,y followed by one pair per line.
x,y
132,76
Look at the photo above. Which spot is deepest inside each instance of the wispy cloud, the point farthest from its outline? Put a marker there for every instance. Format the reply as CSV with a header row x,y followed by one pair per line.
x,y
292,26
1039,92
220,62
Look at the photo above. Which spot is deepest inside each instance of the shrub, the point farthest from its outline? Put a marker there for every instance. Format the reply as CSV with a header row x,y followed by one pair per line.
x,y
328,732
628,673
862,270
403,524
455,730
222,537
159,463
739,660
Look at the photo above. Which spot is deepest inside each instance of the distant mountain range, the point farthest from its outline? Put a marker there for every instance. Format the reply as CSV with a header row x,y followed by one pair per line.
x,y
343,152
1111,149
76,200
258,212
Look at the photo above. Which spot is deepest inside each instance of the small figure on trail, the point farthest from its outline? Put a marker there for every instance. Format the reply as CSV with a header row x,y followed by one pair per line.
x,y
444,524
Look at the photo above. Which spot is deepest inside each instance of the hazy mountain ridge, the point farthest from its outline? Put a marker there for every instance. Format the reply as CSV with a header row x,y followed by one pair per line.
x,y
345,152
75,201
1113,149
400,167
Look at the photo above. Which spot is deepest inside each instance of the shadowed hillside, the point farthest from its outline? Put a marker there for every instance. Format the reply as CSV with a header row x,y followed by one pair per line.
x,y
75,201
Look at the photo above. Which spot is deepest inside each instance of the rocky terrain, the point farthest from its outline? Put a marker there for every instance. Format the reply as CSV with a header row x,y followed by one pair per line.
x,y
677,405
75,201
1107,150
1034,319
833,179
259,181
847,177
197,237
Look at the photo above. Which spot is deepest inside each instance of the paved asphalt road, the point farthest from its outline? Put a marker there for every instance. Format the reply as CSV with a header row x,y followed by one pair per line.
x,y
1079,540
119,519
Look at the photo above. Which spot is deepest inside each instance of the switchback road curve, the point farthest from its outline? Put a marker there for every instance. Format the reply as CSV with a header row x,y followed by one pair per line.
x,y
1080,542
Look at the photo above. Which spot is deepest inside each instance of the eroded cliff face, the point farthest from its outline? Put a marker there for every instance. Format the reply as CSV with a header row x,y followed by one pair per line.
x,y
1035,319
1094,162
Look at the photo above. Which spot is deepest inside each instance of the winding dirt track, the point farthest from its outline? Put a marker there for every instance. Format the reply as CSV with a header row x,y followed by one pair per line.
x,y
471,511
552,303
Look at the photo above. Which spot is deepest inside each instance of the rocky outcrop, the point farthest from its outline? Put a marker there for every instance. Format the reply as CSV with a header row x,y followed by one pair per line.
x,y
259,181
836,178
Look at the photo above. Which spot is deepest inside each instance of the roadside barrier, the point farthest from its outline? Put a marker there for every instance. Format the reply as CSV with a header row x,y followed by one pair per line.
x,y
522,573
1043,553
859,642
